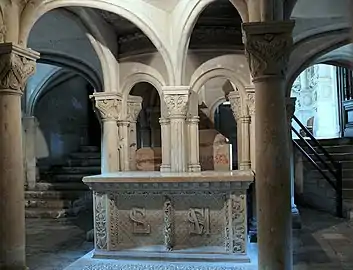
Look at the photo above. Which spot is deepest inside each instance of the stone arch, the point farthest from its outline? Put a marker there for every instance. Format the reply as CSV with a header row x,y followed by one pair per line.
x,y
42,87
125,9
200,77
154,78
319,45
189,19
76,65
214,106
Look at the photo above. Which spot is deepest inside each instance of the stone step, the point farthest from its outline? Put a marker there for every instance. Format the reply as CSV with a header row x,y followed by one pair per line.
x,y
43,186
69,177
336,156
331,142
46,213
346,164
52,204
89,148
346,174
92,170
52,195
83,162
85,155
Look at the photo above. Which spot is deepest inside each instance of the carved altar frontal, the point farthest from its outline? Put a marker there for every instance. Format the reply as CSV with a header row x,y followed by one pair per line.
x,y
198,216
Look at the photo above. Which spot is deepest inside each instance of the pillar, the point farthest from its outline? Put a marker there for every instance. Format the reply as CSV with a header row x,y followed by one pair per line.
x,y
290,109
16,65
30,126
235,103
108,107
176,99
267,47
134,107
165,134
124,148
193,144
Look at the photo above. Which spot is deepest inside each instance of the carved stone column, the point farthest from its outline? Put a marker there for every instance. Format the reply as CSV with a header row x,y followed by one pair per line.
x,y
124,144
165,132
176,99
133,109
108,107
193,144
251,108
30,126
252,190
16,66
290,109
235,103
267,47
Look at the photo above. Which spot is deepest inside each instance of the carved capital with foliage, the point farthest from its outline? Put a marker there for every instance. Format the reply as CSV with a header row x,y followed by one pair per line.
x,y
267,47
235,104
177,100
17,64
107,105
251,101
134,107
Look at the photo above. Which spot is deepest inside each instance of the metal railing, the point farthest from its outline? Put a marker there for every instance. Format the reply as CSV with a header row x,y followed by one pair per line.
x,y
333,175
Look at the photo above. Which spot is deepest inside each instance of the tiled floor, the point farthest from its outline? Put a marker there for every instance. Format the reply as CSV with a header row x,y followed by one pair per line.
x,y
323,243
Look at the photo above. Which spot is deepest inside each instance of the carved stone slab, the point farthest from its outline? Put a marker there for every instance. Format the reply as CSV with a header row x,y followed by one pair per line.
x,y
151,215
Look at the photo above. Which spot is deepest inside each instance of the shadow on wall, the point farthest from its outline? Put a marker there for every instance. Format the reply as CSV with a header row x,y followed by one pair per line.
x,y
64,121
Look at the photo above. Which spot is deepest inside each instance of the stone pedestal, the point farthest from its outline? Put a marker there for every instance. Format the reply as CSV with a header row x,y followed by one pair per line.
x,y
108,107
176,99
198,216
16,65
193,144
165,132
267,47
30,126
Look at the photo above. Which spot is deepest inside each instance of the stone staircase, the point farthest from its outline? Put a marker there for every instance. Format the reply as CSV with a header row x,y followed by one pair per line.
x,y
317,191
59,191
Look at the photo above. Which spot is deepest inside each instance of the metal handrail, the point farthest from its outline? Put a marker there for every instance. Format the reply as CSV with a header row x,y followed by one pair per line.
x,y
336,172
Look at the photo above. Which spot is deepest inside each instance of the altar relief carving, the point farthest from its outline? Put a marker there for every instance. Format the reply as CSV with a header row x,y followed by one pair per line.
x,y
199,219
138,218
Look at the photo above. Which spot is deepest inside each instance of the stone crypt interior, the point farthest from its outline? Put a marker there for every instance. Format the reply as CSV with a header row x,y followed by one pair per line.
x,y
181,134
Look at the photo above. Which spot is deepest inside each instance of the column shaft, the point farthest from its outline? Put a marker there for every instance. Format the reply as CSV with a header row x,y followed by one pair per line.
x,y
193,144
108,107
110,153
124,145
165,132
29,143
133,145
176,99
17,64
267,46
245,162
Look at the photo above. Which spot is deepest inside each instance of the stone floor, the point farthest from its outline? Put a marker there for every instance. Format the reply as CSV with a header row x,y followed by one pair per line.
x,y
323,243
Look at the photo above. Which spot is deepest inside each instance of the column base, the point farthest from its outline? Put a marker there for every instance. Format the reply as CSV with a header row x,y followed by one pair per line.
x,y
253,231
296,220
194,168
245,165
165,168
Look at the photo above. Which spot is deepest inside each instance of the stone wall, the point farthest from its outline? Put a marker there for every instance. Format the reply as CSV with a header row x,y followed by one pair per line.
x,y
62,120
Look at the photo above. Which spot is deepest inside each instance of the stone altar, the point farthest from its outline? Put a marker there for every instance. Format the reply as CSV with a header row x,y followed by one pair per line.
x,y
165,216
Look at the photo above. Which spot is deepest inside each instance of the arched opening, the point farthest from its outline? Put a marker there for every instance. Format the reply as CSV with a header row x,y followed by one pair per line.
x,y
148,132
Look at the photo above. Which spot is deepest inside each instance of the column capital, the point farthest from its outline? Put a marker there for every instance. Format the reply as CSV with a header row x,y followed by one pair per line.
x,y
108,105
17,64
235,104
267,47
251,102
134,106
176,99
